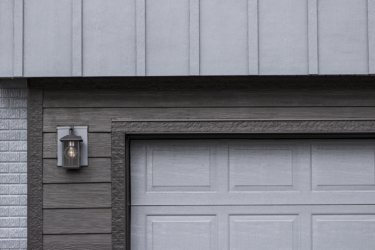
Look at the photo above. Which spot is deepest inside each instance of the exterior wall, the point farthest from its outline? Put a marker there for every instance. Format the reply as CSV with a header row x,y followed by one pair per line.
x,y
94,102
13,164
186,37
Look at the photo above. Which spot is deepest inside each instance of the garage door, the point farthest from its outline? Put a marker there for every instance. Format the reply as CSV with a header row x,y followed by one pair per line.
x,y
253,194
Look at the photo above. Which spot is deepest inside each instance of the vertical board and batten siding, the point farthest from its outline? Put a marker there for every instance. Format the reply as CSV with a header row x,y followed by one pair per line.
x,y
343,28
11,38
48,38
283,46
188,37
108,38
84,197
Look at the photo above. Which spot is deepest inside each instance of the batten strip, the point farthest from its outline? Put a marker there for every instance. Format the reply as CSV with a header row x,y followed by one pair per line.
x,y
313,36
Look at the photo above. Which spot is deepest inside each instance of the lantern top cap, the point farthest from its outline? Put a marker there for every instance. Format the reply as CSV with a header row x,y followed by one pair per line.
x,y
71,138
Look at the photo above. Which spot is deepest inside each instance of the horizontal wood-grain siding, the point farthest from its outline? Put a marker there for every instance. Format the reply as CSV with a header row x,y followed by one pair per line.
x,y
98,170
64,221
215,98
50,145
93,195
76,202
73,242
99,119
99,145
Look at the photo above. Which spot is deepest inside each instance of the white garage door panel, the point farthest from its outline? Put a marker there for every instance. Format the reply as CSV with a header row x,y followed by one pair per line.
x,y
343,166
344,232
248,172
316,227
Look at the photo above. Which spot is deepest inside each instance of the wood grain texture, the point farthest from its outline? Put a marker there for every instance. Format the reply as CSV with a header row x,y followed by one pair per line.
x,y
50,145
83,242
343,41
99,145
76,221
35,169
98,170
48,38
99,119
277,97
96,195
6,37
109,46
283,45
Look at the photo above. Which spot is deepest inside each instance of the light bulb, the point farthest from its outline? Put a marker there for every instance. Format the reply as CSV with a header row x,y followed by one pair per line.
x,y
71,152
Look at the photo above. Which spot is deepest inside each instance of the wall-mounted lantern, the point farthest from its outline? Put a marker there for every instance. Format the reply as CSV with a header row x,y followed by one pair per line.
x,y
71,155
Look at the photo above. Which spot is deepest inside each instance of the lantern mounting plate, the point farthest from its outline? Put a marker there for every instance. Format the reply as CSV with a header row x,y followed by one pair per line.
x,y
78,131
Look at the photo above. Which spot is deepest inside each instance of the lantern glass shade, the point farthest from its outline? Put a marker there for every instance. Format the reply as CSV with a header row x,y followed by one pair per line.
x,y
71,157
71,153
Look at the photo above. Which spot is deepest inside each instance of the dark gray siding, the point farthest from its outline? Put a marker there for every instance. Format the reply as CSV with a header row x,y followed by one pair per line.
x,y
87,194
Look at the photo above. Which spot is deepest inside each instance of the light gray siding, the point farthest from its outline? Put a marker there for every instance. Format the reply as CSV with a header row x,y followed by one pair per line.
x,y
13,164
189,37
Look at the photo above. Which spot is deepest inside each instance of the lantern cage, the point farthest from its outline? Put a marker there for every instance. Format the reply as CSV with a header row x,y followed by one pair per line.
x,y
71,155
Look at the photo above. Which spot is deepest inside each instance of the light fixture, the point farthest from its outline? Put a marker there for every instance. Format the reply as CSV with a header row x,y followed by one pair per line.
x,y
71,154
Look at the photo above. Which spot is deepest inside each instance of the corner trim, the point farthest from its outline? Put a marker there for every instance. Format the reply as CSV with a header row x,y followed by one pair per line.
x,y
35,169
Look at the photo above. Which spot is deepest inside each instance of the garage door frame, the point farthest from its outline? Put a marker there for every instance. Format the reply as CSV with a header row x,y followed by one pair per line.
x,y
123,130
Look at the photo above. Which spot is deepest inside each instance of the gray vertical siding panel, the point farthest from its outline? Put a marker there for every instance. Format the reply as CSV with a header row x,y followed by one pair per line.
x,y
48,38
343,37
207,37
11,38
77,38
194,37
371,35
167,37
6,37
109,38
283,46
224,37
313,36
18,38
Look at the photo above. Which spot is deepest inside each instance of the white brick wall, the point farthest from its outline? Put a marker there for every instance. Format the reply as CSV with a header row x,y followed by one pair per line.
x,y
13,163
